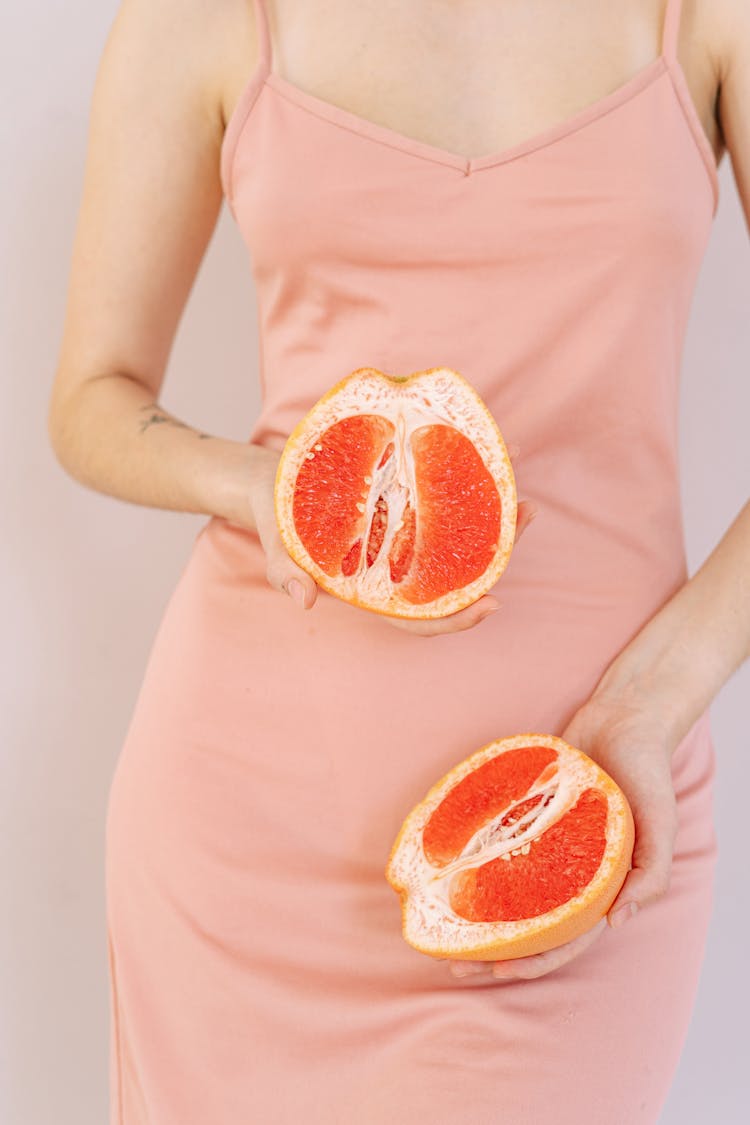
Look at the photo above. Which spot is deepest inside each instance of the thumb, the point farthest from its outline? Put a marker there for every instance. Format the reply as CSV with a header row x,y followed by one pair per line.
x,y
301,589
281,570
283,573
649,877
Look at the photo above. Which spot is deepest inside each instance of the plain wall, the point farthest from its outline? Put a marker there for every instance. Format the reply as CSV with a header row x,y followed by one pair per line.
x,y
85,578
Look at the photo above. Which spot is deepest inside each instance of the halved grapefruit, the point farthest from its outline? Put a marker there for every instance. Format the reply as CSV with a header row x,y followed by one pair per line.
x,y
396,493
521,847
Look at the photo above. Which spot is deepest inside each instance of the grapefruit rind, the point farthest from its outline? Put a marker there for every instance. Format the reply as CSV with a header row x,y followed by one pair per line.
x,y
437,395
431,927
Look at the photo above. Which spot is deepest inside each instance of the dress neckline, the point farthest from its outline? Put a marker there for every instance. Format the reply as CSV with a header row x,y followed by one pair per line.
x,y
665,63
638,81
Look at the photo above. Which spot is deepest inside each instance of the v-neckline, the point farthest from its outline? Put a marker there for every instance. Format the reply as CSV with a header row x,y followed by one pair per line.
x,y
365,127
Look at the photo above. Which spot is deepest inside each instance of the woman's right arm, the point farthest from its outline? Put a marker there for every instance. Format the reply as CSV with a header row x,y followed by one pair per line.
x,y
151,198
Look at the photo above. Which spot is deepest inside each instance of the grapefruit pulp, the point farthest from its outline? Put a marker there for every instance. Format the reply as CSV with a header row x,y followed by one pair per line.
x,y
396,493
520,848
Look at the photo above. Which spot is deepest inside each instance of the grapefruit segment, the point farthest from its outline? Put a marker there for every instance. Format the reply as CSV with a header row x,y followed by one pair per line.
x,y
350,561
328,506
377,529
402,549
396,493
459,514
478,798
520,848
548,873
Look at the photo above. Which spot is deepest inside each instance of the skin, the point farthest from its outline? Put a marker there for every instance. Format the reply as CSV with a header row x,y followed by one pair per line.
x,y
152,196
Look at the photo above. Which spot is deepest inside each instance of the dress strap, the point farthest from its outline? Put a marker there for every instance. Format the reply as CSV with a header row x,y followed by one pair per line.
x,y
671,29
265,57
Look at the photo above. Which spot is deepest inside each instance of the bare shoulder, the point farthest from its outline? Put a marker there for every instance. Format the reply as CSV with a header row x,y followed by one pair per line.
x,y
199,43
723,27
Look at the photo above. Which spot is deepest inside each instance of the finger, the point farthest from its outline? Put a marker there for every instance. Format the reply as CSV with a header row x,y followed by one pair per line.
x,y
468,968
281,571
513,449
454,622
650,874
284,575
527,968
526,512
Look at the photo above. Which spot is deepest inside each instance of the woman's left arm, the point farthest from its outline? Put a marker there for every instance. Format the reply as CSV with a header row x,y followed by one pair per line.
x,y
677,663
652,694
643,706
662,682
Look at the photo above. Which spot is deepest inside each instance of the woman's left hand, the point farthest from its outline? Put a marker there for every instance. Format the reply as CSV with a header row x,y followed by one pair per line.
x,y
631,743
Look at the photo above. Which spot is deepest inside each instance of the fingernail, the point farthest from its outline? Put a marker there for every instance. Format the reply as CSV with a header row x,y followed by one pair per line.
x,y
466,968
296,591
533,514
623,913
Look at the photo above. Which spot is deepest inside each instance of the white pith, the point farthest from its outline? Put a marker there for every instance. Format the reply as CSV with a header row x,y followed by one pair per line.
x,y
429,397
429,922
395,481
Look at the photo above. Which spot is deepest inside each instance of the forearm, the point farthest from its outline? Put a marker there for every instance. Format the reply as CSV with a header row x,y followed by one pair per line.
x,y
690,648
114,438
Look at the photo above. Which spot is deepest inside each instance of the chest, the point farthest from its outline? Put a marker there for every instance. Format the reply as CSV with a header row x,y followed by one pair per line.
x,y
472,77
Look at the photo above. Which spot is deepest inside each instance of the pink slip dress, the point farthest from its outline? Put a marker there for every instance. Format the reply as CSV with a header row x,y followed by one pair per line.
x,y
258,973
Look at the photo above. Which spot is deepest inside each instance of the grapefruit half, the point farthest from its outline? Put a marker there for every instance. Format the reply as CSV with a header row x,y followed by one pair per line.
x,y
521,847
396,493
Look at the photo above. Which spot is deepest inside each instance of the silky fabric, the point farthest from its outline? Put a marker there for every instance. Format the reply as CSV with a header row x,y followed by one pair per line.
x,y
258,972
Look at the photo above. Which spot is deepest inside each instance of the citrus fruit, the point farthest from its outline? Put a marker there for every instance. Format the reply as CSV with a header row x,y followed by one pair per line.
x,y
396,493
521,847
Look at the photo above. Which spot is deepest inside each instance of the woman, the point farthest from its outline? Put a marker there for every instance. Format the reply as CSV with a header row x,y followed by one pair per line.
x,y
524,198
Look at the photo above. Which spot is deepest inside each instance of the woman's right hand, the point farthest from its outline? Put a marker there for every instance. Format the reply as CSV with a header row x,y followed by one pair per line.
x,y
284,574
281,570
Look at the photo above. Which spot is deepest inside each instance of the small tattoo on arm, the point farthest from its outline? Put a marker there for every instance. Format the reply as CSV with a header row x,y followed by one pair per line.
x,y
158,416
